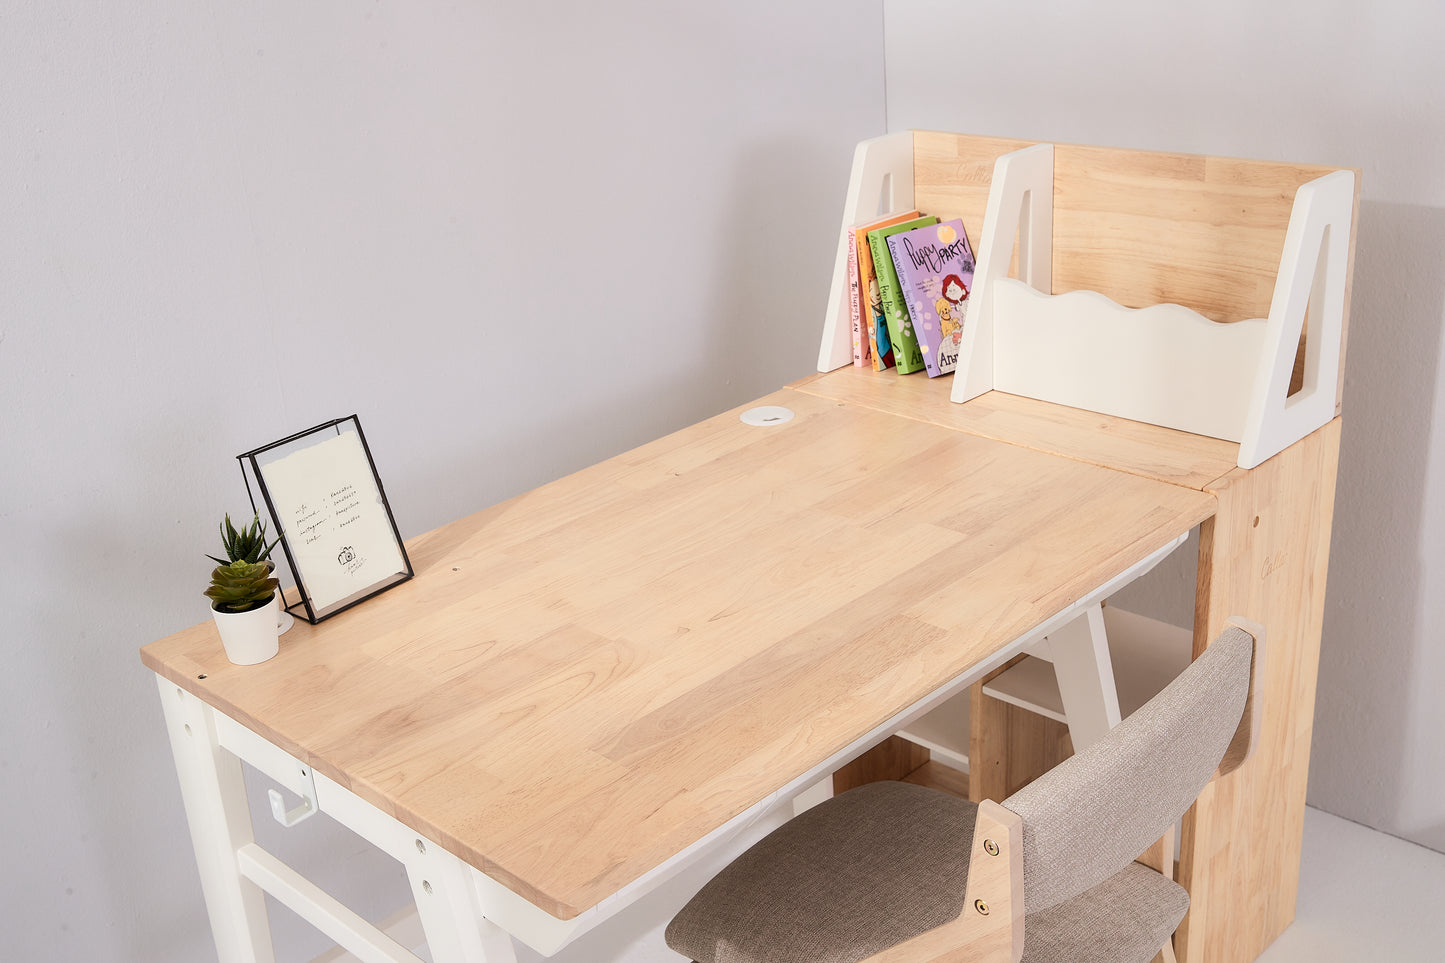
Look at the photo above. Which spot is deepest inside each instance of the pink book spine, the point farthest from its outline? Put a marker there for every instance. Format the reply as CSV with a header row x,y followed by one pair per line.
x,y
862,356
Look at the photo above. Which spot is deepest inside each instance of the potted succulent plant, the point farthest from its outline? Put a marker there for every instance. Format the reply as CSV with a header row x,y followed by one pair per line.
x,y
245,545
249,544
243,594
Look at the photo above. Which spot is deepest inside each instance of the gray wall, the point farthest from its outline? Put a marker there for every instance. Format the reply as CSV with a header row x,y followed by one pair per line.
x,y
1345,83
514,238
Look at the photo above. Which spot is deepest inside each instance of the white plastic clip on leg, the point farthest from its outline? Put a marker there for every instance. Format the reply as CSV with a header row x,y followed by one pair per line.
x,y
306,789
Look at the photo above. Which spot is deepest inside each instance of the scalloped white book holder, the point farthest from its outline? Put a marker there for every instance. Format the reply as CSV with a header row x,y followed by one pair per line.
x,y
1165,364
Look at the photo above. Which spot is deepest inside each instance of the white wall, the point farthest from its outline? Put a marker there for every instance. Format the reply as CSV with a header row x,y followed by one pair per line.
x,y
515,238
1343,83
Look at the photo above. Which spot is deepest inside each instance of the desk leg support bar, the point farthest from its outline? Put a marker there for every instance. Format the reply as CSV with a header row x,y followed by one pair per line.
x,y
236,873
214,796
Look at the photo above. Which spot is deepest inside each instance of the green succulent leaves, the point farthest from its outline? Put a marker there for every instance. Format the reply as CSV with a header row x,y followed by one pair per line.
x,y
241,586
246,545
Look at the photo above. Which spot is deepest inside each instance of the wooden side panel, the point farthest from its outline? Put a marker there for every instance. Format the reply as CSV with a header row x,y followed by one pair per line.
x,y
952,174
935,775
1264,557
1146,227
1009,747
1143,227
893,758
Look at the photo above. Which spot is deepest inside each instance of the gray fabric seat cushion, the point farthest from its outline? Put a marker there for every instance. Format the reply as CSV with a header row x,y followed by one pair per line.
x,y
1124,919
849,878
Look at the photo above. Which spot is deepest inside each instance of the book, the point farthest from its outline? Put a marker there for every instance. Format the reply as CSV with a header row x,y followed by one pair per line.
x,y
935,272
906,355
870,308
861,347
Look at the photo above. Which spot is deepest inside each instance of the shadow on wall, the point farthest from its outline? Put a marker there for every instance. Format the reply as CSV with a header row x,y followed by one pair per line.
x,y
1363,710
758,314
765,313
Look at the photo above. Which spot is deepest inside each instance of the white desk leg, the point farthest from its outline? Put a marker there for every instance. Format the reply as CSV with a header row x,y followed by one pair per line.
x,y
819,792
1085,673
215,800
455,931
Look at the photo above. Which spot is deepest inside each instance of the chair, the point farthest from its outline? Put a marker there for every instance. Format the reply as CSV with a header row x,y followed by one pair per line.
x,y
892,872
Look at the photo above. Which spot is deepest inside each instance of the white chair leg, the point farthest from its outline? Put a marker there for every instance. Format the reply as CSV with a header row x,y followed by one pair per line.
x,y
214,796
1085,673
456,931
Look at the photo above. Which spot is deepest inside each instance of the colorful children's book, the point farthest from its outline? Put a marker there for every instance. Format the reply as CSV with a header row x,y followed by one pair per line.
x,y
935,273
870,306
861,350
895,310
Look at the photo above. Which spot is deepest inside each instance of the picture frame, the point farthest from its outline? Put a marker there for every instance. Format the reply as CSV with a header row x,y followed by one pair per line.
x,y
324,496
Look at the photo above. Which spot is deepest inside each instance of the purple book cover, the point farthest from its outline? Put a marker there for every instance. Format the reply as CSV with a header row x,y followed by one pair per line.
x,y
935,271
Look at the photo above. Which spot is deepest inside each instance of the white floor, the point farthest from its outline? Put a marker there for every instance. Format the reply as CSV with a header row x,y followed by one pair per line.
x,y
1363,896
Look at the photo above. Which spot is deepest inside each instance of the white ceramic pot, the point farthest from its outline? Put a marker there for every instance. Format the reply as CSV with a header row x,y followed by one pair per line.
x,y
249,637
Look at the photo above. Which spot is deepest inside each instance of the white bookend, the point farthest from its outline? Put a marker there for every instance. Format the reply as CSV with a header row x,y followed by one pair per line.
x,y
882,181
1020,206
1312,271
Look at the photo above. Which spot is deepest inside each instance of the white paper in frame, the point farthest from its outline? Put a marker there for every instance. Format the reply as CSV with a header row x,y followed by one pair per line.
x,y
326,501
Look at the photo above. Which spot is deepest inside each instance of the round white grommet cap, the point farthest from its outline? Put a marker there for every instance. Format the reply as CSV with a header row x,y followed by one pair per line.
x,y
767,415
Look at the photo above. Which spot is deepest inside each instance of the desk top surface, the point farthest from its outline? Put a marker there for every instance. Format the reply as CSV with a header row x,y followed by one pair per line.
x,y
584,680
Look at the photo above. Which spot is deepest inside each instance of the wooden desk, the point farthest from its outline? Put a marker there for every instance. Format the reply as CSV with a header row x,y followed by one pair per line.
x,y
591,682
1264,554
1229,238
589,678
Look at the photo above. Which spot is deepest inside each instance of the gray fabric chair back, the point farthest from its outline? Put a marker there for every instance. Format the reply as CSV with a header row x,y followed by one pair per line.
x,y
1093,814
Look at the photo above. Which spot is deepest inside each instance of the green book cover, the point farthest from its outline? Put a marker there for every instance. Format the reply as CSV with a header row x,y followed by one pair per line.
x,y
906,353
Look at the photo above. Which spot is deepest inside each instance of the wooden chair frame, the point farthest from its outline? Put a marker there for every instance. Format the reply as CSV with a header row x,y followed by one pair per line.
x,y
992,925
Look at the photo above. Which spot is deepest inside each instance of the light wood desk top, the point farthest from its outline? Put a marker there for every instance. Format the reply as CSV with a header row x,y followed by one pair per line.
x,y
582,681
1132,446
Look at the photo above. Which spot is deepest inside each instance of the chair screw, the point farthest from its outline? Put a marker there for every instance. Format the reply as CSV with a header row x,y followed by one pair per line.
x,y
990,847
981,906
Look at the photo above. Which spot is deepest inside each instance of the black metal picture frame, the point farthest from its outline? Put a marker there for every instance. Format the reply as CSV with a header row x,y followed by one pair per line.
x,y
306,606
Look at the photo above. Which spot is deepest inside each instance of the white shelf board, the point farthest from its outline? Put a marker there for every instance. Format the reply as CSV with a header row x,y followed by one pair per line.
x,y
943,732
1147,654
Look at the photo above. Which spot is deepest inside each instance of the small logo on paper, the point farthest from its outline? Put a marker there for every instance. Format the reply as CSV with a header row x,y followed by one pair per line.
x,y
345,555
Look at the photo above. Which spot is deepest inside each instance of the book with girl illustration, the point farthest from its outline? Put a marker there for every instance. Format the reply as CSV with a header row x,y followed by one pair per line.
x,y
934,266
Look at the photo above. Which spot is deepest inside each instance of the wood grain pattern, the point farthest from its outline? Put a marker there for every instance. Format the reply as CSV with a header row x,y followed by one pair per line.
x,y
1132,446
1160,855
893,758
1160,858
582,681
1265,557
935,775
1008,746
1143,227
